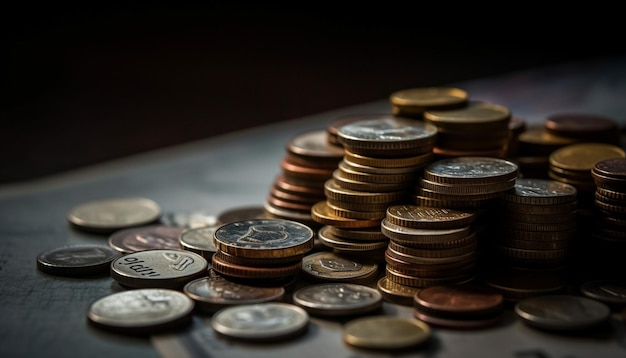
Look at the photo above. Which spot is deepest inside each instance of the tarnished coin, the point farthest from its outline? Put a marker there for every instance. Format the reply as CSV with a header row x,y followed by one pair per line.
x,y
611,292
108,215
459,301
261,321
199,240
213,294
77,260
158,268
266,238
562,312
330,266
146,238
338,299
385,332
141,311
471,170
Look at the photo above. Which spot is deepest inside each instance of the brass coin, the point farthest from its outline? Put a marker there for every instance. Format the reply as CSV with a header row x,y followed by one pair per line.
x,y
334,191
146,238
584,156
382,162
423,98
110,214
475,113
321,213
328,239
423,217
330,266
398,333
396,293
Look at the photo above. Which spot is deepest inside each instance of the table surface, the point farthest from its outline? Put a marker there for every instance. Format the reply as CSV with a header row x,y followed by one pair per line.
x,y
45,315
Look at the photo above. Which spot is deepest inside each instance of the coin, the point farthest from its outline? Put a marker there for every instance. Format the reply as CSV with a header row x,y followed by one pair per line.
x,y
265,238
459,301
611,292
314,144
199,240
330,266
77,260
240,213
338,299
424,217
158,268
414,101
261,321
562,312
211,294
142,238
385,332
108,215
141,311
471,170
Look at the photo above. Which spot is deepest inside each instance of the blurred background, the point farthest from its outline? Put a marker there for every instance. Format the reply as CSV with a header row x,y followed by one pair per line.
x,y
88,83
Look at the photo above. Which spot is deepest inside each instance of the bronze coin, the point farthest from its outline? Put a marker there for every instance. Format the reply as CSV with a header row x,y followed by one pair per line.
x,y
461,300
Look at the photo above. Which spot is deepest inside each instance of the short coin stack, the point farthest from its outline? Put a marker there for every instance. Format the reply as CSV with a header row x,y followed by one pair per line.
x,y
413,102
383,157
266,252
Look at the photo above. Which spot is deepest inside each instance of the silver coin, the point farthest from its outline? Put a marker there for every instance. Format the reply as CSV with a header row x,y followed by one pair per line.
x,y
387,128
611,292
108,215
159,268
562,312
141,311
472,168
326,265
337,299
212,294
77,260
145,238
189,220
278,236
261,321
199,240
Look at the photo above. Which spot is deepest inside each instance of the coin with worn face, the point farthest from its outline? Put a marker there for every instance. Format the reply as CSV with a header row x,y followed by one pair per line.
x,y
145,238
108,215
158,268
212,294
261,321
337,299
267,238
141,311
562,312
77,260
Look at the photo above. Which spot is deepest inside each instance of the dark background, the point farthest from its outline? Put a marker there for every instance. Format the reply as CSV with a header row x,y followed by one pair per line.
x,y
82,84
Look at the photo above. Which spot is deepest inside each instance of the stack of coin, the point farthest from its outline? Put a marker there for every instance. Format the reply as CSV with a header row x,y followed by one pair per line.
x,y
383,158
536,224
309,161
479,129
413,102
459,306
573,163
429,246
266,252
609,220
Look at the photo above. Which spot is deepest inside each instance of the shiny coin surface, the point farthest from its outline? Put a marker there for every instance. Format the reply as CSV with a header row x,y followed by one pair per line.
x,y
330,266
142,238
108,215
261,321
141,311
537,191
77,260
159,268
199,240
213,294
562,312
264,238
468,170
337,299
385,332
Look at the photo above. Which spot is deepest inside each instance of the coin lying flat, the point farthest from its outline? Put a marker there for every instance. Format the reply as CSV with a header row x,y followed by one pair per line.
x,y
141,311
611,292
159,268
337,299
108,215
148,237
77,260
199,240
385,332
562,312
261,321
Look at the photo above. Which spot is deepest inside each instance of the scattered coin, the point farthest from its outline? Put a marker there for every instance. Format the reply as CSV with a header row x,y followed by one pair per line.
x,y
142,238
385,333
108,215
338,299
141,311
261,321
562,312
77,260
158,268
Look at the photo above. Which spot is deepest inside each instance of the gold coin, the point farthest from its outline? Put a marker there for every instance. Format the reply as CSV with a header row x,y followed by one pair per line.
x,y
333,190
396,293
385,332
584,156
320,212
475,113
332,241
423,217
379,162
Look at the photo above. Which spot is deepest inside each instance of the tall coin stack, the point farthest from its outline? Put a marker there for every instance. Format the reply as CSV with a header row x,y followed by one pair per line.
x,y
608,238
309,161
383,157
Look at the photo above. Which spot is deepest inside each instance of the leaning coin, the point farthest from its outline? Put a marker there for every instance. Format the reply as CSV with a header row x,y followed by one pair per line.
x,y
261,321
211,294
142,238
141,311
385,332
159,268
108,215
77,260
562,312
338,299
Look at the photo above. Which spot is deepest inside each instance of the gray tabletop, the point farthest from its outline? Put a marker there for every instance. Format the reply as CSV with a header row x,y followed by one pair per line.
x,y
44,315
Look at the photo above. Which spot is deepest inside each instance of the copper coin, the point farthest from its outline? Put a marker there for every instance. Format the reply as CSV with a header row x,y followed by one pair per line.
x,y
463,300
583,125
146,238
